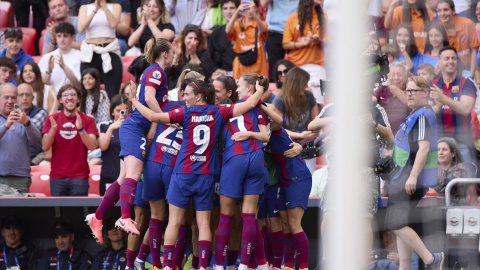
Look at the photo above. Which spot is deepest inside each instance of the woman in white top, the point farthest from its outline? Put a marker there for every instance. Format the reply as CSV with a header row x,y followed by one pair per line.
x,y
100,48
95,102
44,94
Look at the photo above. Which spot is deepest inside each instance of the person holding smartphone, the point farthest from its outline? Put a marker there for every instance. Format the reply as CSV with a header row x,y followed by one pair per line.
x,y
16,134
109,142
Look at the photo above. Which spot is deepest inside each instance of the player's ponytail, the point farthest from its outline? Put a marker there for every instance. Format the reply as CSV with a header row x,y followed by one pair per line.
x,y
252,78
154,49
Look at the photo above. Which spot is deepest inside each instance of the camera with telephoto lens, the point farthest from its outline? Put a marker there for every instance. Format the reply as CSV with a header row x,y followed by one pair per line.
x,y
316,148
386,168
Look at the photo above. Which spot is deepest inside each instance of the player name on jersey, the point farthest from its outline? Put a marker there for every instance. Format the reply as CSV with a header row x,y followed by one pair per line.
x,y
202,118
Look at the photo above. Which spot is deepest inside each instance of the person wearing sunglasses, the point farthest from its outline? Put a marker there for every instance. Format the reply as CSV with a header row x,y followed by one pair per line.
x,y
69,131
13,50
281,68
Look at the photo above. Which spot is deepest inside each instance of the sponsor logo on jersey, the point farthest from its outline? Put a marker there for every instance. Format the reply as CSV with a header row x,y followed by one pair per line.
x,y
152,80
241,35
198,158
202,118
169,150
71,131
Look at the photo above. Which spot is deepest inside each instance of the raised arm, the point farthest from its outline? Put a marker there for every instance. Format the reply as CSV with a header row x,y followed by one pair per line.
x,y
83,20
464,106
250,103
146,112
276,119
105,138
262,135
89,140
113,17
229,26
319,123
49,137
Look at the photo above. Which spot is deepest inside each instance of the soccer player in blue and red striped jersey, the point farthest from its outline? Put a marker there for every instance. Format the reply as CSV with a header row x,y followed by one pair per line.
x,y
197,161
243,174
152,93
159,162
296,180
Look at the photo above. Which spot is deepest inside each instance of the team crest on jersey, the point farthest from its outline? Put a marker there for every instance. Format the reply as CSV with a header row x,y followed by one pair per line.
x,y
157,74
165,98
241,35
455,88
71,131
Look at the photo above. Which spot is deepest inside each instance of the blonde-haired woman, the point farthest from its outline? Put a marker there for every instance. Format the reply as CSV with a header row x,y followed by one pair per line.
x,y
152,93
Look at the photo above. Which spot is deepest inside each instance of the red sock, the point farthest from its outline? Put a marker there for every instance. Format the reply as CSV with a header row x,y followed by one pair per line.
x,y
111,197
301,246
127,196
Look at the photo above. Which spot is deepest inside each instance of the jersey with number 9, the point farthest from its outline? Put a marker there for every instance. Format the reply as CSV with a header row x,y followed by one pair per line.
x,y
201,128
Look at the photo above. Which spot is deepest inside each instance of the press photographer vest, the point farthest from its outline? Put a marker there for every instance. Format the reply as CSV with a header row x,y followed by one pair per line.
x,y
402,154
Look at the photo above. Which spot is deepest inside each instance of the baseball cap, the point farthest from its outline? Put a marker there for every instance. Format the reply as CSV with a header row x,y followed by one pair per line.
x,y
62,228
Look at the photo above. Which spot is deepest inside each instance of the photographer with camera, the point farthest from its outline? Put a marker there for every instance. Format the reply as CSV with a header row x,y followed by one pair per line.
x,y
16,134
377,119
416,155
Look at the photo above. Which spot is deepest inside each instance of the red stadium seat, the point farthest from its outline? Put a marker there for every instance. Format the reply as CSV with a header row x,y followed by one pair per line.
x,y
37,58
29,36
94,180
40,180
127,60
40,42
5,10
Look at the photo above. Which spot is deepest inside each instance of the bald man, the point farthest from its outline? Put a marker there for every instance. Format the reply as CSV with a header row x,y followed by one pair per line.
x,y
16,134
36,114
